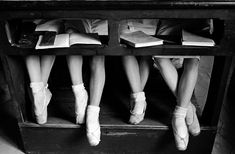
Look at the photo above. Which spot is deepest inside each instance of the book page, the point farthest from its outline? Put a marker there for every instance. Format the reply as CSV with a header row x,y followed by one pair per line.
x,y
61,41
196,40
80,38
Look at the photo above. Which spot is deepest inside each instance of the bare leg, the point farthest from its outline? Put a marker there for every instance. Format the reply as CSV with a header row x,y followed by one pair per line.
x,y
34,68
97,79
46,66
187,82
184,109
38,84
170,75
75,68
168,72
185,91
137,102
81,97
144,71
132,70
96,89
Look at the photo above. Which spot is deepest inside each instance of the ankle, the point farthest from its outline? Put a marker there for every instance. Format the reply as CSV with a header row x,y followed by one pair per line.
x,y
92,119
92,113
138,103
178,121
190,114
138,96
36,86
78,88
180,112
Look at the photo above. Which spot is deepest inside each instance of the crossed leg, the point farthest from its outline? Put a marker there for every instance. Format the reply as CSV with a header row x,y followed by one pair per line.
x,y
184,117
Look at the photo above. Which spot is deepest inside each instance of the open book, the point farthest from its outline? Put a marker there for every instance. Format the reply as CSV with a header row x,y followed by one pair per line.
x,y
140,39
195,40
67,40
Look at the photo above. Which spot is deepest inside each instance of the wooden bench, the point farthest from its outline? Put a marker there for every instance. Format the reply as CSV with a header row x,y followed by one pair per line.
x,y
63,136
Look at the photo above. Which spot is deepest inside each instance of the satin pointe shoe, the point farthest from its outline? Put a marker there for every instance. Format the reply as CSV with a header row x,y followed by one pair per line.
x,y
192,120
81,98
179,127
137,103
93,126
42,97
94,136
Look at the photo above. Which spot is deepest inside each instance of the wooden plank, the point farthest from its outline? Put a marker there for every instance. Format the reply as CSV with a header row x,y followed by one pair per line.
x,y
119,4
228,36
119,50
118,9
73,140
226,14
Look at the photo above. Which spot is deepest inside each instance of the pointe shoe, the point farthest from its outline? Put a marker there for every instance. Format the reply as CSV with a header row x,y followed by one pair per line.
x,y
180,130
192,120
94,136
136,118
42,97
93,126
81,98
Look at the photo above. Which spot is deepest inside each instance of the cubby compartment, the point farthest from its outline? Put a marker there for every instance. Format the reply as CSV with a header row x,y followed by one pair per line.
x,y
155,130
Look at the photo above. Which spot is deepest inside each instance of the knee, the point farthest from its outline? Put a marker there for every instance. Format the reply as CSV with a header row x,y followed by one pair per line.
x,y
127,59
145,59
191,64
160,62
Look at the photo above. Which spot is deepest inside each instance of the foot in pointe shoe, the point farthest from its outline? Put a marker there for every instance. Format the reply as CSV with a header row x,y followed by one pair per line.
x,y
93,126
42,97
138,107
179,127
81,98
94,136
192,120
136,118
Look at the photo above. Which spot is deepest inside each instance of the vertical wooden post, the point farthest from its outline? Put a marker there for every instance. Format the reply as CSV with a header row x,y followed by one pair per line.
x,y
113,29
221,76
14,74
114,47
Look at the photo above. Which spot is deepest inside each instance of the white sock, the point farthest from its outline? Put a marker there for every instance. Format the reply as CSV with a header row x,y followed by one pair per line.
x,y
36,86
180,111
78,88
92,120
138,98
